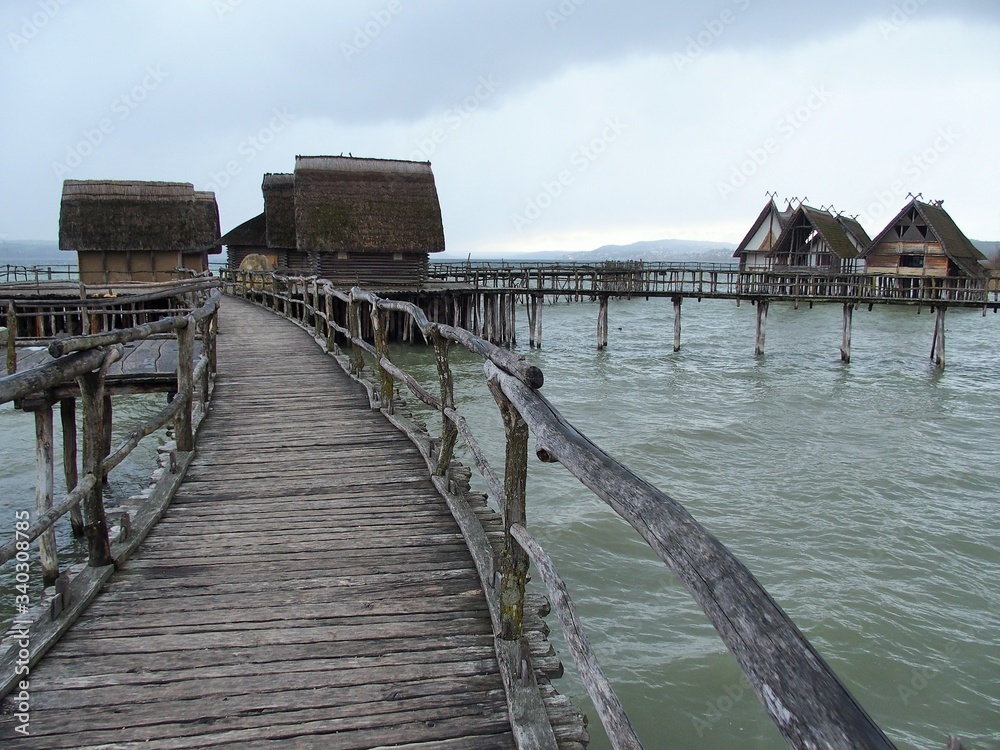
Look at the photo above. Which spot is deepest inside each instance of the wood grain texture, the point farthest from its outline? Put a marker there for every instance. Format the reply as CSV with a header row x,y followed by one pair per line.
x,y
307,587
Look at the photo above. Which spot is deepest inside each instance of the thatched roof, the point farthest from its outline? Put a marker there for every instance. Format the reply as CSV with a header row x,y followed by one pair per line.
x,y
944,230
830,228
279,209
125,216
366,206
252,233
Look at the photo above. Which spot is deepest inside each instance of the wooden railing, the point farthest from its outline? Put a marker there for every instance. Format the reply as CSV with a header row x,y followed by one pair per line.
x,y
808,703
715,280
86,360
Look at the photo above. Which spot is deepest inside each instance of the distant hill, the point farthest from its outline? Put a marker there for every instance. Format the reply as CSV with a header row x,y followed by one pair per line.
x,y
651,250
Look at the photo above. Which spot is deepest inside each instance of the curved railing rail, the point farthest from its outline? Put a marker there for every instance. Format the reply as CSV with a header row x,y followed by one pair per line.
x,y
86,360
808,703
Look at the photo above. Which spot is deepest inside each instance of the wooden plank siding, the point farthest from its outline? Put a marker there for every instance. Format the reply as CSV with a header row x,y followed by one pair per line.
x,y
307,587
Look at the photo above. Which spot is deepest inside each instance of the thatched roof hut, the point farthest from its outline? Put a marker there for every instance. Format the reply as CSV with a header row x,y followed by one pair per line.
x,y
762,237
137,231
354,221
249,238
366,206
923,240
814,239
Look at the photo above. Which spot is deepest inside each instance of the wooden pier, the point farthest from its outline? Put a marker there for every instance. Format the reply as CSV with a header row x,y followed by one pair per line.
x,y
308,584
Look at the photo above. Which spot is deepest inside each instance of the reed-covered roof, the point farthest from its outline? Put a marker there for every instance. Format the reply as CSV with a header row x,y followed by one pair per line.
x,y
366,206
128,216
252,233
834,231
279,209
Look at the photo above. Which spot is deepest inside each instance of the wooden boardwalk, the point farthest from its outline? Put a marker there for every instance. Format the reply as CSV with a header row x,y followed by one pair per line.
x,y
307,588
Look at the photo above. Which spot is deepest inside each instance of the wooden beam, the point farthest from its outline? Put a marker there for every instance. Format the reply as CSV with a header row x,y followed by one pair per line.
x,y
677,323
845,346
45,489
67,416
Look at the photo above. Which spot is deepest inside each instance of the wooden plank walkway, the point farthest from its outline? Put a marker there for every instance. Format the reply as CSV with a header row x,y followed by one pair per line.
x,y
307,588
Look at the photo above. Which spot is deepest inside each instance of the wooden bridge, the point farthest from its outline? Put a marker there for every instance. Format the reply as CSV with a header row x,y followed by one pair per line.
x,y
325,577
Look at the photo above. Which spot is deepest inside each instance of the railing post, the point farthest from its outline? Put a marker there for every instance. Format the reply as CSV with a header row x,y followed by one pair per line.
x,y
388,388
92,396
354,325
67,415
513,559
449,433
185,387
45,488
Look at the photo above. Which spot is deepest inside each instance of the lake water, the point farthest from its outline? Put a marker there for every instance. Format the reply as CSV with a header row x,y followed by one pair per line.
x,y
862,496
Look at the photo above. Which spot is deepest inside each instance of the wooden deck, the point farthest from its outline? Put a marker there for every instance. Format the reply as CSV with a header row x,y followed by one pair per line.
x,y
307,587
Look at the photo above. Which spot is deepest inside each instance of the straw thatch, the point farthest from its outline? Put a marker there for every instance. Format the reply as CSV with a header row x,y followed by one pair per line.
x,y
366,206
279,210
129,216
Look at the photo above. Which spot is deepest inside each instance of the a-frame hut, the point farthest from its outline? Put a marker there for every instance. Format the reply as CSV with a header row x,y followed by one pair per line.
x,y
137,231
753,251
923,240
814,240
249,238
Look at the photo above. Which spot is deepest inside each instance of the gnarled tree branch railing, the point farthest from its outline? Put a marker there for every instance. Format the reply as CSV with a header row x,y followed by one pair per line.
x,y
86,359
808,703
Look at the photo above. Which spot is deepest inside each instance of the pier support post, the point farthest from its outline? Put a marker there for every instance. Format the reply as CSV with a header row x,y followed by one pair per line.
x,y
67,416
761,326
602,323
538,320
45,489
677,323
845,346
937,347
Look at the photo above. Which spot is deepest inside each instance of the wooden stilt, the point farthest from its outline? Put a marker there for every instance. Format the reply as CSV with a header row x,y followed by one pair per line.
x,y
45,489
513,319
538,321
761,326
67,415
92,392
938,348
602,323
845,346
532,315
677,323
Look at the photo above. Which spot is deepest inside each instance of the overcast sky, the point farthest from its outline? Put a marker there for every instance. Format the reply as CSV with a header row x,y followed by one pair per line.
x,y
551,125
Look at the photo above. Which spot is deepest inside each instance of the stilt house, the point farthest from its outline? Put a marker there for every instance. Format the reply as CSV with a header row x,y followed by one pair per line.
x,y
923,240
763,235
137,231
372,222
816,240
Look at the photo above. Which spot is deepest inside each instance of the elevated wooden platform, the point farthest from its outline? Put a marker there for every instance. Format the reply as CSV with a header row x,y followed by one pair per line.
x,y
307,587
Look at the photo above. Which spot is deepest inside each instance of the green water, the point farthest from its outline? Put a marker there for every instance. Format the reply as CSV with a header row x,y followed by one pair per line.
x,y
863,496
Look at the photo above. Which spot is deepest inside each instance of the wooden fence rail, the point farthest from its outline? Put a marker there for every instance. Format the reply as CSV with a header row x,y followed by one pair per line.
x,y
808,703
86,359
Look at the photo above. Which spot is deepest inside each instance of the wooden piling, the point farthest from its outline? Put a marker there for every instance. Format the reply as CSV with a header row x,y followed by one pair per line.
x,y
538,321
602,323
45,489
92,396
677,323
937,347
845,346
11,338
185,381
761,326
